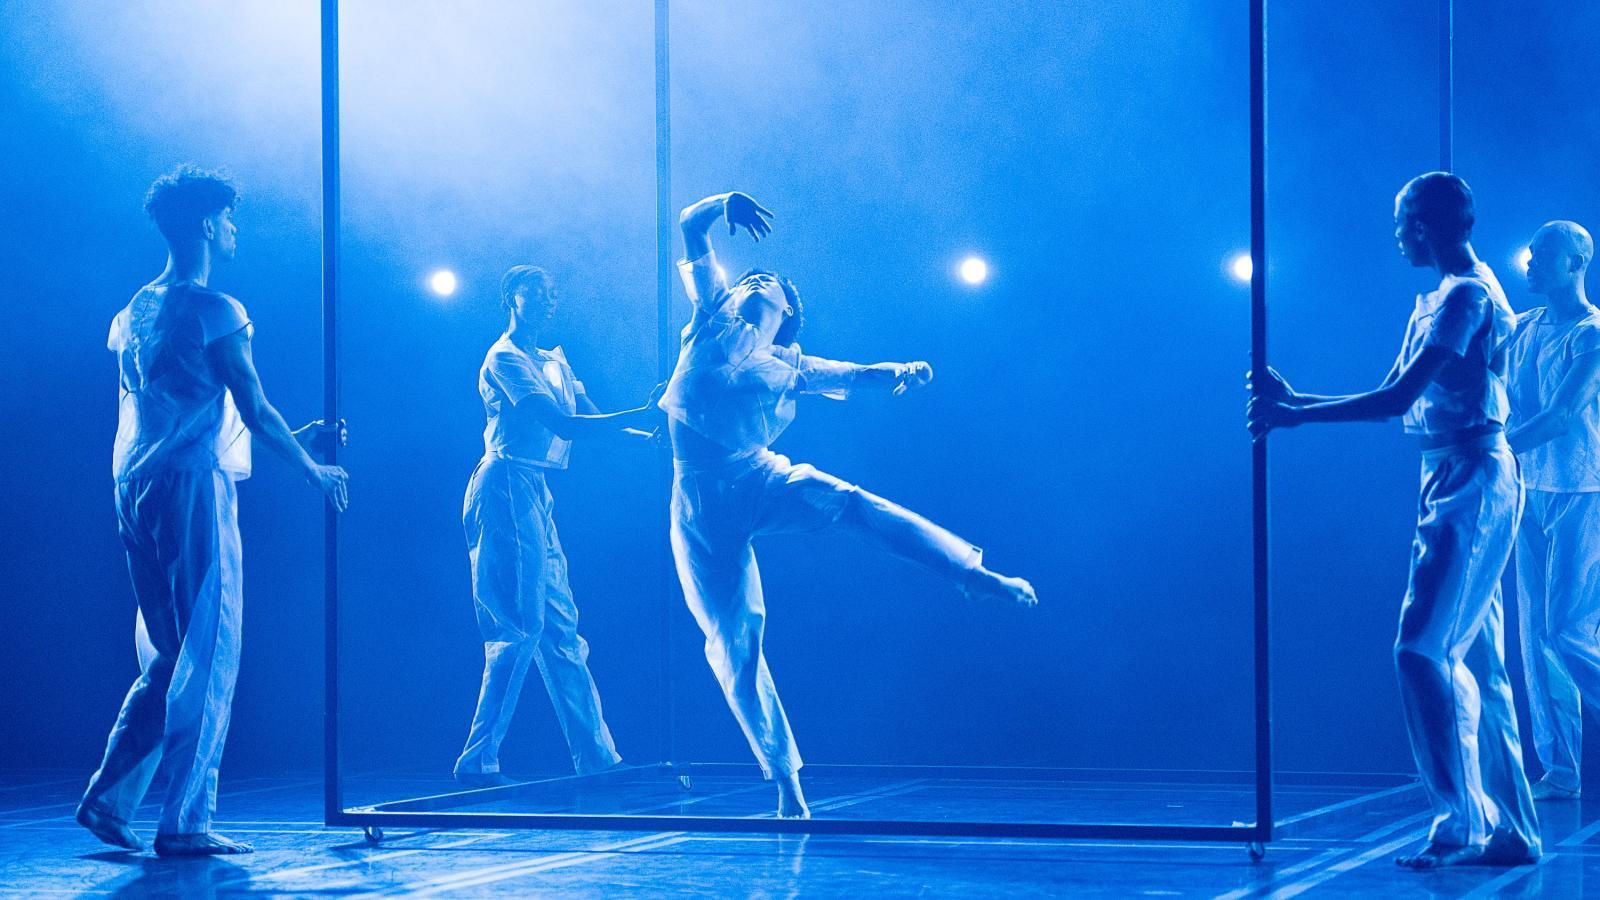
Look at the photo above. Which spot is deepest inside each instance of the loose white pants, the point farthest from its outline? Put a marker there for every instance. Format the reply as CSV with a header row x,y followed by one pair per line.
x,y
1558,598
715,513
181,533
526,615
1450,653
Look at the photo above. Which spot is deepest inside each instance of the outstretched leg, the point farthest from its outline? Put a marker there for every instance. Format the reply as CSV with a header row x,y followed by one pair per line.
x,y
801,498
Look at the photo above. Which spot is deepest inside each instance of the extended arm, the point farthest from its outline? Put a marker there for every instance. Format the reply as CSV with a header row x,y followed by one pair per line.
x,y
831,378
1390,399
589,423
233,362
1577,392
1275,387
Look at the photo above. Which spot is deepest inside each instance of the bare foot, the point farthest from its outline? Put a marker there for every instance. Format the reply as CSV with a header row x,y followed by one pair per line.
x,y
984,585
1436,856
108,828
791,800
206,844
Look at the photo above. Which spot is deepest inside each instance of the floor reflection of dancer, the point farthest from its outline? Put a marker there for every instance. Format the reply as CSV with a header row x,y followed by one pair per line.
x,y
535,407
1449,382
1555,419
190,401
730,396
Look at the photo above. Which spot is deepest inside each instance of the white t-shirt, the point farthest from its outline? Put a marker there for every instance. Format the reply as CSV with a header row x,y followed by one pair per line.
x,y
1476,326
1542,353
174,412
511,375
730,385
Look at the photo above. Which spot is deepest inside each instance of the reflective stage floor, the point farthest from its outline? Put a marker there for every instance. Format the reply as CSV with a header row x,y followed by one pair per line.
x,y
1335,840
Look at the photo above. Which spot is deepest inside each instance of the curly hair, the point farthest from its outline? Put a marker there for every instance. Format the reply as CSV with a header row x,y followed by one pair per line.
x,y
516,279
181,199
789,331
1443,202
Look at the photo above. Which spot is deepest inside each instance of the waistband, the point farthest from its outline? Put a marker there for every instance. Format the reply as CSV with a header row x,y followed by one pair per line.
x,y
747,460
1494,441
494,456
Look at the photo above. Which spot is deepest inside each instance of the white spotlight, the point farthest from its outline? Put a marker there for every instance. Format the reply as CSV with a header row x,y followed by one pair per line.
x,y
974,270
1241,266
1521,260
442,282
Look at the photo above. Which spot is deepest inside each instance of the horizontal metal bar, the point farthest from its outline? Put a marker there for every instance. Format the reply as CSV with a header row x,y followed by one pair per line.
x,y
712,824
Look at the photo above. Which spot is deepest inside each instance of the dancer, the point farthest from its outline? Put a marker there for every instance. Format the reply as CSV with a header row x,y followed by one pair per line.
x,y
730,396
535,407
190,400
1449,384
1555,419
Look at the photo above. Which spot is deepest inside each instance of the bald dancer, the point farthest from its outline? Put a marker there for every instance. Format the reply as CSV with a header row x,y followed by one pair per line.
x,y
1555,432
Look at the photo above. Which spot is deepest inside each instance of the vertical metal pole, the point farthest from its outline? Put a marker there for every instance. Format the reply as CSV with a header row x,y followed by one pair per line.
x,y
1447,82
332,795
1258,459
666,353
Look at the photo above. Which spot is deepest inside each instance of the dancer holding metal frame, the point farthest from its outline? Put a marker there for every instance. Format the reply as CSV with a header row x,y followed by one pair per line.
x,y
731,395
1449,384
190,402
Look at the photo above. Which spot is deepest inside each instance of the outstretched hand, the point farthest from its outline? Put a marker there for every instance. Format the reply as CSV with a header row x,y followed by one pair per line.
x,y
742,211
912,376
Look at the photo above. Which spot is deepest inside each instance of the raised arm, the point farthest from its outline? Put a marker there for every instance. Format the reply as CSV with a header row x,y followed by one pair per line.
x,y
1577,392
231,359
740,211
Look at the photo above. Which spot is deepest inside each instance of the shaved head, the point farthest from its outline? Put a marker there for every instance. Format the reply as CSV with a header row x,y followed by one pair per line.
x,y
1559,255
1573,238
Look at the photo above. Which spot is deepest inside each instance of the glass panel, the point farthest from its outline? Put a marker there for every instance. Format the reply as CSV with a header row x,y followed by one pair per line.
x,y
1083,429
469,148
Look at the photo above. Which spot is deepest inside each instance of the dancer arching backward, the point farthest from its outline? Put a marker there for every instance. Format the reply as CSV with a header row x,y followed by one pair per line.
x,y
732,394
1555,432
535,407
1449,382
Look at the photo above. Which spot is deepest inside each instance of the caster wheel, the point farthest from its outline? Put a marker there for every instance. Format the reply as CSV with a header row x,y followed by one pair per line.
x,y
1257,850
373,834
686,782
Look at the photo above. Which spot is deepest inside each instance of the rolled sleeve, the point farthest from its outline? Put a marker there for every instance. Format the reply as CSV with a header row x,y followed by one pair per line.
x,y
704,280
827,377
1459,317
220,316
518,377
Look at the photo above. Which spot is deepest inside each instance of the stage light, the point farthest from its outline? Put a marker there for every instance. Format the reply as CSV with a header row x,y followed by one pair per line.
x,y
1241,267
442,282
1521,260
974,270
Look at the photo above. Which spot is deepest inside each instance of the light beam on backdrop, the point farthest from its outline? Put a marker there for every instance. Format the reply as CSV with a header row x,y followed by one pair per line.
x,y
1521,259
442,282
973,270
1241,267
